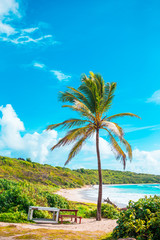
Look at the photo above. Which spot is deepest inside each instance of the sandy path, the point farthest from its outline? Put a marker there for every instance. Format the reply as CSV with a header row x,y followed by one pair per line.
x,y
105,225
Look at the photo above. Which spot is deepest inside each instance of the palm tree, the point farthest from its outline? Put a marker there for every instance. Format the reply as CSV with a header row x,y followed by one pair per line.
x,y
92,100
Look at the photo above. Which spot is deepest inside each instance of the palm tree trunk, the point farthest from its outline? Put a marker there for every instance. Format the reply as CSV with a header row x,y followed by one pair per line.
x,y
99,202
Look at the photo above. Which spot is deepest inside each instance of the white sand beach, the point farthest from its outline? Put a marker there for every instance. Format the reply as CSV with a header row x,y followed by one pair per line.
x,y
75,194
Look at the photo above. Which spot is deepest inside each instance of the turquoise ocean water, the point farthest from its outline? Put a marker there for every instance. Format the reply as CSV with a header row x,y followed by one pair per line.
x,y
121,194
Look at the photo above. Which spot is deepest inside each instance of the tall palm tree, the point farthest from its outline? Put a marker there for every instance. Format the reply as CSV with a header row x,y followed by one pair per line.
x,y
92,100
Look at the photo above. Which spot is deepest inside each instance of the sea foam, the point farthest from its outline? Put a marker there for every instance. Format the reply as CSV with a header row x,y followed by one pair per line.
x,y
122,194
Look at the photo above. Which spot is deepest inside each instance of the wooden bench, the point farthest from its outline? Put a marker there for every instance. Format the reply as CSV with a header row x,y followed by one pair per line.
x,y
50,209
61,216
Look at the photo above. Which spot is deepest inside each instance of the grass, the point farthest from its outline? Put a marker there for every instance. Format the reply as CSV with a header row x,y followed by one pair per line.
x,y
39,234
107,237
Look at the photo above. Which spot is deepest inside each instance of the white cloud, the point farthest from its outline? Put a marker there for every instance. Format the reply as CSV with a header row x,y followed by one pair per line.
x,y
145,161
25,39
6,29
128,128
59,75
155,97
9,6
29,30
9,12
36,145
11,126
38,65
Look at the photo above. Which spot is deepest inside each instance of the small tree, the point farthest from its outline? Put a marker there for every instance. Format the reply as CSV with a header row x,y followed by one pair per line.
x,y
92,100
28,159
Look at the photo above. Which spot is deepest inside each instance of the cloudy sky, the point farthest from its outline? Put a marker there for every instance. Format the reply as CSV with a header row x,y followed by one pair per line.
x,y
47,45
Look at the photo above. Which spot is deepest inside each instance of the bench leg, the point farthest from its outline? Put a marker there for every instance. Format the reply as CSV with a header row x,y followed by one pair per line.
x,y
57,216
75,218
29,213
53,216
61,220
80,220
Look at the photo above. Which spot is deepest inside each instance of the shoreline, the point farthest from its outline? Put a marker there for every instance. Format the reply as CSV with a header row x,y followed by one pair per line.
x,y
115,184
74,194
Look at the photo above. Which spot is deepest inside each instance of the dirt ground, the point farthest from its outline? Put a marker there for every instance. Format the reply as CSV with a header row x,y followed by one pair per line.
x,y
88,230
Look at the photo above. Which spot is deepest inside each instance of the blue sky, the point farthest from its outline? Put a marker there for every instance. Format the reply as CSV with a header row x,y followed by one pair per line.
x,y
47,45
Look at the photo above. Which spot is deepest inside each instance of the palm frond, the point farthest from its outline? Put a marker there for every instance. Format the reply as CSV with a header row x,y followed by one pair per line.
x,y
77,147
83,111
80,96
97,78
68,124
88,88
72,136
116,148
107,97
67,97
128,148
122,115
114,128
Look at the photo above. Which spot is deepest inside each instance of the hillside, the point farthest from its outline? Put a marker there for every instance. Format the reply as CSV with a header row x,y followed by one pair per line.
x,y
24,183
20,170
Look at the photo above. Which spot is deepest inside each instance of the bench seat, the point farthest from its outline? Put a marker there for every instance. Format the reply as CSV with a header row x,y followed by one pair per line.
x,y
70,216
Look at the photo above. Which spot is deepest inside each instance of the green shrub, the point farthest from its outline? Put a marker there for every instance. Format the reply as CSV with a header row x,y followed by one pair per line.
x,y
141,220
13,217
84,209
41,214
14,198
54,200
28,160
6,184
108,211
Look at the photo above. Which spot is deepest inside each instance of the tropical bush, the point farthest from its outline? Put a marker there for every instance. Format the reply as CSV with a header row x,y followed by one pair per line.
x,y
13,217
54,200
141,220
108,211
13,200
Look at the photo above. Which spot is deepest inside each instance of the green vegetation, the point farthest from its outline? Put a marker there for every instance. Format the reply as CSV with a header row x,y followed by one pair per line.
x,y
15,198
51,178
109,236
108,211
141,220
